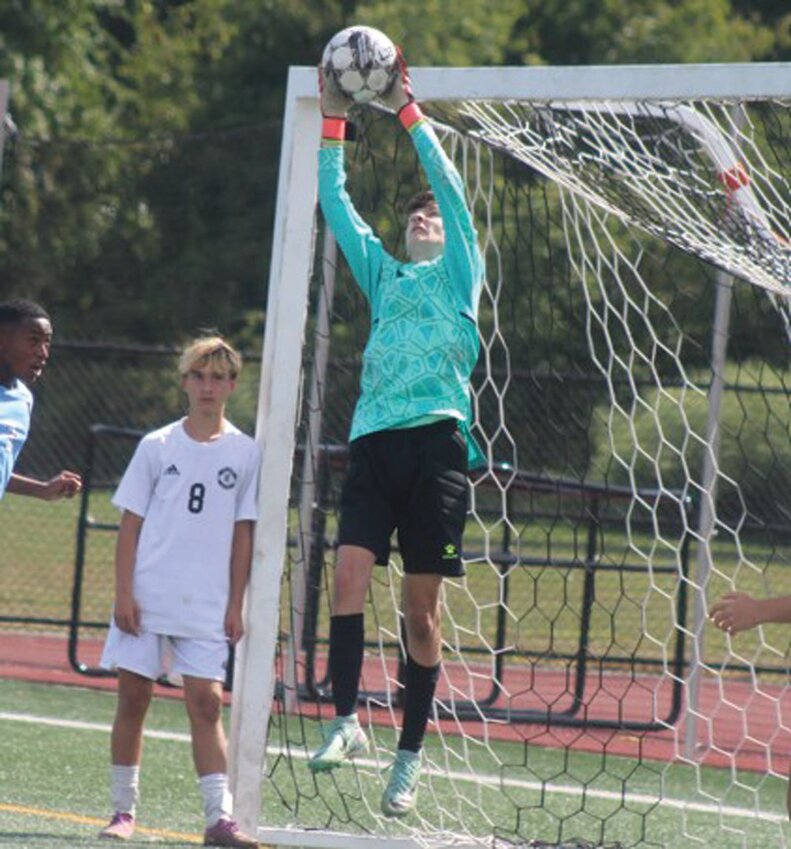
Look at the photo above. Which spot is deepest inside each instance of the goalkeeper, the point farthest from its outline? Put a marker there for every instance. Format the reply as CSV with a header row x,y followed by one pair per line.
x,y
410,436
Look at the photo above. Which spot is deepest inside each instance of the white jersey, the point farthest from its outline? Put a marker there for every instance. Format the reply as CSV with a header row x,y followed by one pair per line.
x,y
190,495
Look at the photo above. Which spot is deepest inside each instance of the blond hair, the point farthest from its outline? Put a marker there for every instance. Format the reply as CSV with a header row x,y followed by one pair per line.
x,y
210,350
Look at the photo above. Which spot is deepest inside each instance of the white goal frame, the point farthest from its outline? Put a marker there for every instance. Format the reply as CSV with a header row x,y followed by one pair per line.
x,y
280,386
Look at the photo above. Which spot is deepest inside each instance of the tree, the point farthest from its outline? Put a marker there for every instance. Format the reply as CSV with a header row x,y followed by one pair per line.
x,y
589,32
466,32
146,168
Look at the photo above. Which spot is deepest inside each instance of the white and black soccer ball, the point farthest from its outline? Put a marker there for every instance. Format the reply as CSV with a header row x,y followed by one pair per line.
x,y
362,61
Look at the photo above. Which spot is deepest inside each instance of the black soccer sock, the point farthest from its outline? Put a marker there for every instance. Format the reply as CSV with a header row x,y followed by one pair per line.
x,y
346,661
421,682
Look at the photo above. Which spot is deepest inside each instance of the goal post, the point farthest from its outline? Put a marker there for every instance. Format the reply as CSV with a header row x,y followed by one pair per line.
x,y
277,409
599,400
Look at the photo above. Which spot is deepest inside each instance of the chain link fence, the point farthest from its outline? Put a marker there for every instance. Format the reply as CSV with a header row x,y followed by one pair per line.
x,y
133,389
128,387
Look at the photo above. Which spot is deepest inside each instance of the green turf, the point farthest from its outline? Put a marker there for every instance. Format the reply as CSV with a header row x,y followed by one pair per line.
x,y
37,562
50,775
64,772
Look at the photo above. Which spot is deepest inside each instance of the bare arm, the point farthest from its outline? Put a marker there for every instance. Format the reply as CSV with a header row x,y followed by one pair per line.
x,y
126,612
64,485
241,558
736,612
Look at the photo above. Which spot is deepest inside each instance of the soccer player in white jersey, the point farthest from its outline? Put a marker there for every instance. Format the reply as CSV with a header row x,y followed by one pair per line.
x,y
188,502
25,339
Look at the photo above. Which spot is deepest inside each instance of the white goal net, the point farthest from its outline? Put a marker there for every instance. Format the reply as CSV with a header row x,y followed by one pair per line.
x,y
632,397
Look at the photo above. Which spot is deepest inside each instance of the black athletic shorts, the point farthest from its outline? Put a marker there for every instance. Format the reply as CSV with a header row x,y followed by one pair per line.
x,y
413,480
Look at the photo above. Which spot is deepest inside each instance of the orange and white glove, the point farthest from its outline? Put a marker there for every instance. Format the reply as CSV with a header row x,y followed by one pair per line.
x,y
334,106
399,94
400,97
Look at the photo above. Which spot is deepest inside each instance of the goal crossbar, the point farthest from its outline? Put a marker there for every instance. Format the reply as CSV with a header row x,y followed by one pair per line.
x,y
596,82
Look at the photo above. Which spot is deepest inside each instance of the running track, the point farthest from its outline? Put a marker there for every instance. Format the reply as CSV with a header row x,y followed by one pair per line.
x,y
738,726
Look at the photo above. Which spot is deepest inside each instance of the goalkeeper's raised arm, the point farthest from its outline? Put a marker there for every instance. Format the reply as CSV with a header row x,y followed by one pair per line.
x,y
461,253
359,243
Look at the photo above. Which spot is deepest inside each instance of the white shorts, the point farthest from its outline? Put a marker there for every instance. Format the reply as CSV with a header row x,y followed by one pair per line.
x,y
155,655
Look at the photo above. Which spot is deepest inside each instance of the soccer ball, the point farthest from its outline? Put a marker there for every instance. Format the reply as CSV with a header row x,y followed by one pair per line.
x,y
362,61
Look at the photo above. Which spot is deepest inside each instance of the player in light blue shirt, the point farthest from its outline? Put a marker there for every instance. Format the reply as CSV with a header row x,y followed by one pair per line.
x,y
25,338
410,442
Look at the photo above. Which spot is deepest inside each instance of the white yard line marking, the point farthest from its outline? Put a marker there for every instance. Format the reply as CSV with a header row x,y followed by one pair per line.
x,y
492,781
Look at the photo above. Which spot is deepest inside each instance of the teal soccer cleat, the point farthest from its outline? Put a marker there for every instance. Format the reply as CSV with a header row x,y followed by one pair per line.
x,y
401,792
343,740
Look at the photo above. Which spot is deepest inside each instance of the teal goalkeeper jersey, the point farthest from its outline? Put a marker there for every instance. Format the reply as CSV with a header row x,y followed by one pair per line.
x,y
423,343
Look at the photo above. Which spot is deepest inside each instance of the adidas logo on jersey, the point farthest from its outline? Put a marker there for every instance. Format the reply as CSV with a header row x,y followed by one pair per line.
x,y
172,469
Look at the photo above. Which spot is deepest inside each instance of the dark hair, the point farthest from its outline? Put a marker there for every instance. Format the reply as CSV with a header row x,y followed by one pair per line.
x,y
18,310
420,201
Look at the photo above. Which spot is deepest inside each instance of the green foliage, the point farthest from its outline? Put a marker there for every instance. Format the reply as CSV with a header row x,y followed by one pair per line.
x,y
172,227
56,56
693,31
146,167
454,34
641,31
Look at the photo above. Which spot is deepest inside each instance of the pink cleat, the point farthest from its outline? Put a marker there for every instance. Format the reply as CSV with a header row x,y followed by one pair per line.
x,y
120,827
226,832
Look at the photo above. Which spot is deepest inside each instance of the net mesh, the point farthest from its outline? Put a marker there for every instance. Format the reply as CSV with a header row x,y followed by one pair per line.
x,y
565,715
694,175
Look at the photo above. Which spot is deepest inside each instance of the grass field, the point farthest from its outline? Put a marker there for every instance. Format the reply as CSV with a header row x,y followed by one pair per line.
x,y
54,750
54,773
54,778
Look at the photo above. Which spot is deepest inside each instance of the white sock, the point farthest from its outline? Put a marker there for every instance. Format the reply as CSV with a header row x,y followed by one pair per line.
x,y
124,781
217,801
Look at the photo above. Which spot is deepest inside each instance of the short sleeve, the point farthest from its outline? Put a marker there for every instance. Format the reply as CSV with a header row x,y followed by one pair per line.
x,y
137,484
247,500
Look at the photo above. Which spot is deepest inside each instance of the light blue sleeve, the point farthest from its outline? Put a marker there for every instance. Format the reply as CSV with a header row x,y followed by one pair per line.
x,y
462,255
16,404
360,245
6,463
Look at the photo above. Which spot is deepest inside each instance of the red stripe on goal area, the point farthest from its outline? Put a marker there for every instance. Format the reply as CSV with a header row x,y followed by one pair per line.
x,y
742,727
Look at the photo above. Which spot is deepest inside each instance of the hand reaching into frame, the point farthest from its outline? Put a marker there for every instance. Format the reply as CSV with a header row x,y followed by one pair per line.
x,y
736,612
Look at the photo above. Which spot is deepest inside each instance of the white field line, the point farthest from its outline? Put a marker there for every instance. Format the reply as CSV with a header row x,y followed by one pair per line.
x,y
492,781
79,725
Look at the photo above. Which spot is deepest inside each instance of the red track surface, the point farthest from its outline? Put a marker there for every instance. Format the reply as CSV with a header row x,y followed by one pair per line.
x,y
737,725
